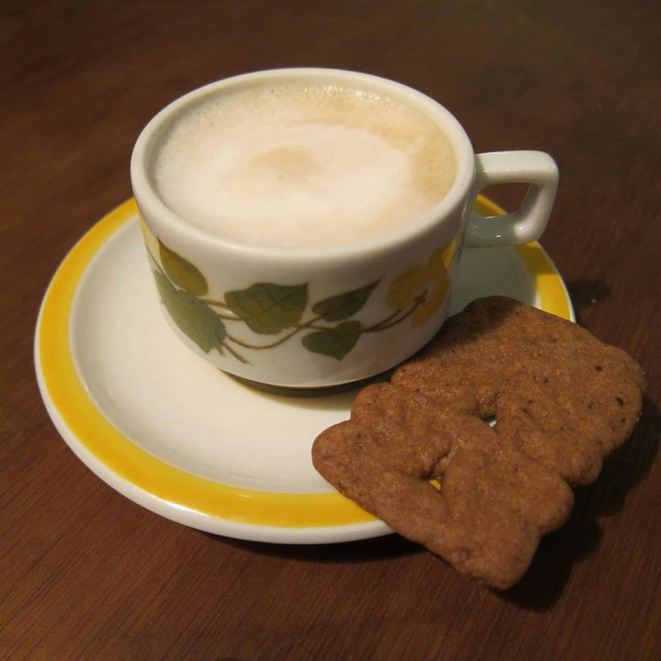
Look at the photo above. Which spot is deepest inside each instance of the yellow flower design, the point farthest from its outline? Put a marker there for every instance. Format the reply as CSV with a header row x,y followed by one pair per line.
x,y
423,287
404,289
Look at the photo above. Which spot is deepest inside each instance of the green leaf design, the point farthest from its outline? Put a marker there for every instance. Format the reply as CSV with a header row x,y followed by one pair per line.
x,y
345,305
182,272
334,342
196,319
267,308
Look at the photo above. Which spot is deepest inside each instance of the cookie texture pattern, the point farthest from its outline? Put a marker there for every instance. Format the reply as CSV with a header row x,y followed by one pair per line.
x,y
420,454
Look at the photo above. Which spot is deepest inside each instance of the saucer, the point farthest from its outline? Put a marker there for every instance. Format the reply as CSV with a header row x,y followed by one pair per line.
x,y
187,441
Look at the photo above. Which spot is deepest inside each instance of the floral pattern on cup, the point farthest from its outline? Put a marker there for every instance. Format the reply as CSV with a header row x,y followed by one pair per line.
x,y
425,286
328,327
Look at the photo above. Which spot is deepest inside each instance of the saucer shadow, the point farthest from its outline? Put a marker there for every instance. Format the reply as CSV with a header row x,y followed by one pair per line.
x,y
364,550
558,552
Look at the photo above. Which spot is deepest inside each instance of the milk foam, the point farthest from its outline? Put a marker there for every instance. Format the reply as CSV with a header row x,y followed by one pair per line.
x,y
295,166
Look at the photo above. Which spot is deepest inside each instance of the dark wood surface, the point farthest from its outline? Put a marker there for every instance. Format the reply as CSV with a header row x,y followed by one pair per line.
x,y
87,574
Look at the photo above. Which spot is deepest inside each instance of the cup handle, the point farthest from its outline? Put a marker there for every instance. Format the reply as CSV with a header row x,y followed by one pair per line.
x,y
525,224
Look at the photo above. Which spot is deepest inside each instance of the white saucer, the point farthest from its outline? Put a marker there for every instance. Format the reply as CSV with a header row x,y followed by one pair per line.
x,y
189,442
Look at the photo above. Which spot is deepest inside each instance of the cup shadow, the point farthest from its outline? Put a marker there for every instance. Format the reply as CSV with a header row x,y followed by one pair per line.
x,y
315,397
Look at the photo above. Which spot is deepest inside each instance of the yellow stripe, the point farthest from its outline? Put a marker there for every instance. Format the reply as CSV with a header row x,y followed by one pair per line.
x,y
156,477
127,460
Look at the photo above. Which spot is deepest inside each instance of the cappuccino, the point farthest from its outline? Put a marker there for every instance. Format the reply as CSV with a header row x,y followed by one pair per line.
x,y
302,166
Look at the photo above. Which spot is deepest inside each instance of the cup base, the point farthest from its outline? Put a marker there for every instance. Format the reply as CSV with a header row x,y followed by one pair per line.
x,y
313,391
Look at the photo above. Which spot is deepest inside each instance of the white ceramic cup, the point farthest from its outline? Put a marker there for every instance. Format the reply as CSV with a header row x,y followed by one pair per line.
x,y
314,317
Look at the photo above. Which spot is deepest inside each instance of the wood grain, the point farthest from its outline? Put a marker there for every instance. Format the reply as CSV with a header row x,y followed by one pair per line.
x,y
86,574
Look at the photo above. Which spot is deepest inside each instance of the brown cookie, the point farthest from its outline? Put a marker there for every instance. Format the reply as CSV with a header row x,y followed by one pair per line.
x,y
561,396
562,400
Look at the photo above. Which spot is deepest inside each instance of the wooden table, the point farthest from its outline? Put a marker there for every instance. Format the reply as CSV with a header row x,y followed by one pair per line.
x,y
87,574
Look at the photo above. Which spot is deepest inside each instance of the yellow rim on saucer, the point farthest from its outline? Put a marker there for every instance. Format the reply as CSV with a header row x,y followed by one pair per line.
x,y
149,474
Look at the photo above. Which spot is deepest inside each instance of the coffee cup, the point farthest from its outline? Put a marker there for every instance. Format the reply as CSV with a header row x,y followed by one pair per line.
x,y
303,226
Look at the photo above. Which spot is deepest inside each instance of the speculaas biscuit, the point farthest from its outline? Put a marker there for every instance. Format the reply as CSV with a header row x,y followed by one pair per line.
x,y
561,400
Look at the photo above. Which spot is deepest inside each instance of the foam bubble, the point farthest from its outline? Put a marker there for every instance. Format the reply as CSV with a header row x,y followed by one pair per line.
x,y
302,166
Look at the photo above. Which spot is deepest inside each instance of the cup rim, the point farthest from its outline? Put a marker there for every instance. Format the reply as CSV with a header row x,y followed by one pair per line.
x,y
147,197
